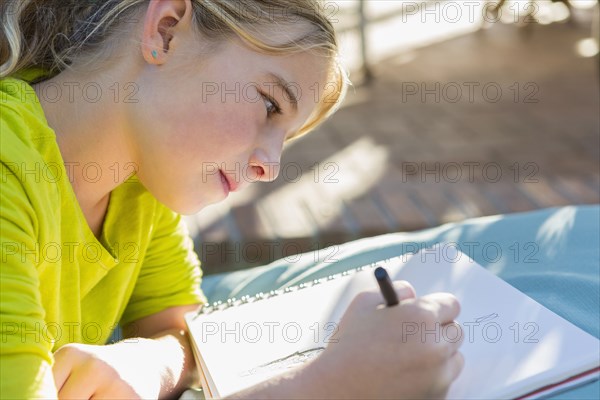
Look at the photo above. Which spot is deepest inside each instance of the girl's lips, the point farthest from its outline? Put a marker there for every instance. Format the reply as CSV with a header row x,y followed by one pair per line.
x,y
225,183
228,183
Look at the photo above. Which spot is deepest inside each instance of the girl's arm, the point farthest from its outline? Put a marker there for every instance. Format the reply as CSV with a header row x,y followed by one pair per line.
x,y
169,329
154,361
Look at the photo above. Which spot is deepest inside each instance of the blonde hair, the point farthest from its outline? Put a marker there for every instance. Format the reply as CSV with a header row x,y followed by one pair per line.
x,y
52,35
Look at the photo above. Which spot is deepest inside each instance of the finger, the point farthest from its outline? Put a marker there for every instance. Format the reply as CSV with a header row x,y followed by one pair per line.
x,y
404,290
374,298
448,373
77,385
115,391
454,367
452,338
61,373
445,306
64,361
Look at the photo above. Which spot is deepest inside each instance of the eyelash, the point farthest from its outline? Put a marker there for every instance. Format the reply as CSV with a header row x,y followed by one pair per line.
x,y
276,109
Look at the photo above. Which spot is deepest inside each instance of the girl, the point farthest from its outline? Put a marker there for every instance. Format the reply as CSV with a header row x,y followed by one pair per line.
x,y
117,117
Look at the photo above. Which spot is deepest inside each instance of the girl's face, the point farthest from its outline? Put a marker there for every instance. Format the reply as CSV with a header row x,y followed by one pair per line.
x,y
199,133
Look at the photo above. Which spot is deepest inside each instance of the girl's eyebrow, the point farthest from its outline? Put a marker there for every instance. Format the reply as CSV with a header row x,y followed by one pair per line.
x,y
285,86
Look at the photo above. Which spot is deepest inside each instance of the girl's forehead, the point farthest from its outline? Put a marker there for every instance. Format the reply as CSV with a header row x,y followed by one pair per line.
x,y
300,69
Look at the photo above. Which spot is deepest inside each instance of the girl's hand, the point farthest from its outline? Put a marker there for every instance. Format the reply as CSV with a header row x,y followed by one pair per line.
x,y
403,351
124,370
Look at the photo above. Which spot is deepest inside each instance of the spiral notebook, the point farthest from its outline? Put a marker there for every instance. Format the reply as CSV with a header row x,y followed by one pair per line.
x,y
513,346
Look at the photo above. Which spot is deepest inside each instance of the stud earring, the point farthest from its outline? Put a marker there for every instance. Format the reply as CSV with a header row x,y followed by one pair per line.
x,y
154,54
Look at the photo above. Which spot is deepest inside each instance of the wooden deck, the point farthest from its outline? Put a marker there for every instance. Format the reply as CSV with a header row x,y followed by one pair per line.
x,y
405,153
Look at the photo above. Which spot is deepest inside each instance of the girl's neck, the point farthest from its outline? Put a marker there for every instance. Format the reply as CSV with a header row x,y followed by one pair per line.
x,y
90,135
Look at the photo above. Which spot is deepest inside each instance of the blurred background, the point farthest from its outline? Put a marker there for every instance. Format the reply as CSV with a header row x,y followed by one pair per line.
x,y
458,109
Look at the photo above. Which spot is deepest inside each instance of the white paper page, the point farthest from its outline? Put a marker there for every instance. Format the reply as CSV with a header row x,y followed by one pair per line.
x,y
237,342
512,344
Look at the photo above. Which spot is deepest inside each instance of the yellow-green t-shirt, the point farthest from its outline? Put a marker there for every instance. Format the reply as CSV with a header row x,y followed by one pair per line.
x,y
58,283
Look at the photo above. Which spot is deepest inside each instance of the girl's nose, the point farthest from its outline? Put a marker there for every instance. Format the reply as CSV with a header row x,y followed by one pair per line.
x,y
263,166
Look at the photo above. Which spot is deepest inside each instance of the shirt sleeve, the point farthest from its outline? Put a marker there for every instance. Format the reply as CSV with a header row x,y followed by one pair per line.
x,y
25,355
170,274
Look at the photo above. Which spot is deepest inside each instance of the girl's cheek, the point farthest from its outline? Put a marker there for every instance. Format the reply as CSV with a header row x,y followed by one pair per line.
x,y
237,128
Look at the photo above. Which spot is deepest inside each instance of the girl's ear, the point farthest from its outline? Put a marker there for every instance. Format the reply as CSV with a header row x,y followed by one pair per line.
x,y
164,22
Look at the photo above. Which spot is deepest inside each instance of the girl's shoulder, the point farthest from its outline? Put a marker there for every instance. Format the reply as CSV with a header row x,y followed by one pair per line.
x,y
29,154
22,121
31,74
17,96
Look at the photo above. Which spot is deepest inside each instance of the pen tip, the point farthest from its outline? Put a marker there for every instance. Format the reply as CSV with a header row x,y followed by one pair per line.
x,y
380,273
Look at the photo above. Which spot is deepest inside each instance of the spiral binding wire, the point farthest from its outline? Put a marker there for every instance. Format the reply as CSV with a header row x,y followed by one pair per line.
x,y
234,302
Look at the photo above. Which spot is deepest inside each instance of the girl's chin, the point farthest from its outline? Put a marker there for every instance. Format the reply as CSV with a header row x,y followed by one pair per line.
x,y
193,206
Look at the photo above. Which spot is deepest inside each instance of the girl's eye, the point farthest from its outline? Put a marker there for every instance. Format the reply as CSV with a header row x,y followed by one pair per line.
x,y
272,107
